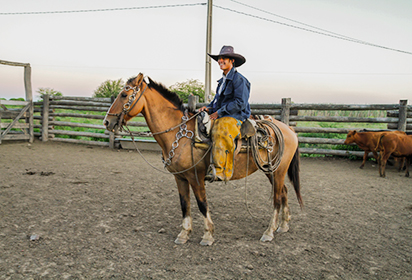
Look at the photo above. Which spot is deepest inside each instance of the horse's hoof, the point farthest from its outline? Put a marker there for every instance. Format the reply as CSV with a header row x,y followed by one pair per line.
x,y
361,167
180,241
266,238
283,229
206,242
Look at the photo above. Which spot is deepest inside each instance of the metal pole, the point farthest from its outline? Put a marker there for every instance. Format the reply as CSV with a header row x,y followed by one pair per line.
x,y
208,71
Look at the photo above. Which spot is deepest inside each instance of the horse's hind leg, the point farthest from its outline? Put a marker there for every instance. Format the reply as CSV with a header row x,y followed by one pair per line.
x,y
184,194
285,213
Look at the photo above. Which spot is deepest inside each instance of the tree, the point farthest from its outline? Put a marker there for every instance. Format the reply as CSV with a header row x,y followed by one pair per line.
x,y
191,86
49,91
109,88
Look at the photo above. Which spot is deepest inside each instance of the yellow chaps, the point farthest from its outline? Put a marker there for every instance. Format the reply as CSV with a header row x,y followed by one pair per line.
x,y
224,133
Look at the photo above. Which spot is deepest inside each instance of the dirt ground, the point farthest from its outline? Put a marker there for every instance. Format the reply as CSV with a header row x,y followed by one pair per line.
x,y
77,212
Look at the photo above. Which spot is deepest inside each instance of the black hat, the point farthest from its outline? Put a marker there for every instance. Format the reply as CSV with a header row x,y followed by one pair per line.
x,y
228,51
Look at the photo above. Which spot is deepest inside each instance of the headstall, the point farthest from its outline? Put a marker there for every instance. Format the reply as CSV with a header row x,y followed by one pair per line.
x,y
129,105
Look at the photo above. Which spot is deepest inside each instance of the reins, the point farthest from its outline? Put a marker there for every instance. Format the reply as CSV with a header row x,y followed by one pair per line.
x,y
158,169
172,128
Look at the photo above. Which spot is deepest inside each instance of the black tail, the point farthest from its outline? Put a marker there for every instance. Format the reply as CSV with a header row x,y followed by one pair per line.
x,y
293,174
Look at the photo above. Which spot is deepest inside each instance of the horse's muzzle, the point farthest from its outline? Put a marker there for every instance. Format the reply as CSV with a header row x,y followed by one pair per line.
x,y
111,124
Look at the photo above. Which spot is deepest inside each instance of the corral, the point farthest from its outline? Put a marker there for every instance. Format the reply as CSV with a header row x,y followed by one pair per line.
x,y
85,212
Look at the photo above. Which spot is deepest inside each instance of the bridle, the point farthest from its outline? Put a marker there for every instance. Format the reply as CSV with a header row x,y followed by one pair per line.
x,y
130,104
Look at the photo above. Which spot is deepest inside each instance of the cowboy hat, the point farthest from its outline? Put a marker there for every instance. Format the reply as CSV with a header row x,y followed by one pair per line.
x,y
228,51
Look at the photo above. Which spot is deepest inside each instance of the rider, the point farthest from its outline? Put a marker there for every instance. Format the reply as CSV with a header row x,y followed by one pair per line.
x,y
229,108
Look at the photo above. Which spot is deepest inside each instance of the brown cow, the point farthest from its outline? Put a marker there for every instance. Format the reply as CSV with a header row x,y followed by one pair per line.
x,y
367,141
397,145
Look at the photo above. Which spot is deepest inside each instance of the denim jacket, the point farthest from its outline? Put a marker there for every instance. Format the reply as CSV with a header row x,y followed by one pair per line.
x,y
233,99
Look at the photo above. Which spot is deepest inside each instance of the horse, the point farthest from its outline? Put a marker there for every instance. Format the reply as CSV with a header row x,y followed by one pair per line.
x,y
172,127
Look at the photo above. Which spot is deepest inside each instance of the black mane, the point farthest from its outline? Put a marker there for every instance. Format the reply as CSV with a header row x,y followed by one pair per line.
x,y
167,94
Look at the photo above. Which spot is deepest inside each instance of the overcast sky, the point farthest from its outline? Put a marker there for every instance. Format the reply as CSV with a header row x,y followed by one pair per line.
x,y
75,52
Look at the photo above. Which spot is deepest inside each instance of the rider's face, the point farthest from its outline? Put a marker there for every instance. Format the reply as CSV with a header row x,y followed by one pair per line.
x,y
225,64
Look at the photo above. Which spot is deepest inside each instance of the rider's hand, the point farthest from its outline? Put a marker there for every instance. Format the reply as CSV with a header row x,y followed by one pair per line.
x,y
214,116
204,108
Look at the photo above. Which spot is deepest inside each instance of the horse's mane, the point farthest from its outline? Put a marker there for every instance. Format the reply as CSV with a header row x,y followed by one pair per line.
x,y
165,92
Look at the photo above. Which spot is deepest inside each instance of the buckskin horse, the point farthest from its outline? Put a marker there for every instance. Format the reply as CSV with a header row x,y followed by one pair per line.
x,y
172,127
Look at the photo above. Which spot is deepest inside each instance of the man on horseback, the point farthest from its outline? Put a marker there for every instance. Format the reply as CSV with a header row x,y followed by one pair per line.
x,y
230,108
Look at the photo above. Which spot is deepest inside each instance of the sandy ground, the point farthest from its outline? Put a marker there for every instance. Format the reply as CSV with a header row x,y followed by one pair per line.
x,y
77,212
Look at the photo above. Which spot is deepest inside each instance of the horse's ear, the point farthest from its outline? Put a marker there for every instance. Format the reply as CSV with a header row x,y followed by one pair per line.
x,y
138,79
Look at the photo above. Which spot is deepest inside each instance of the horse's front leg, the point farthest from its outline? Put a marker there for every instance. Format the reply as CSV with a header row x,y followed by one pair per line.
x,y
200,194
184,194
268,235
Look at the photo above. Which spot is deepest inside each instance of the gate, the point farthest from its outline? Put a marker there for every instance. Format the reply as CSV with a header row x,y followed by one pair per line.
x,y
15,113
26,127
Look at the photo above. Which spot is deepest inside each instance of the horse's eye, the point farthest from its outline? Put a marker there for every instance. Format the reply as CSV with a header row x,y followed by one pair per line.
x,y
124,95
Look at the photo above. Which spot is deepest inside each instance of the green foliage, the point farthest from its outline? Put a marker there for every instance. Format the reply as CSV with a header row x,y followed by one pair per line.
x,y
17,99
109,88
189,87
49,91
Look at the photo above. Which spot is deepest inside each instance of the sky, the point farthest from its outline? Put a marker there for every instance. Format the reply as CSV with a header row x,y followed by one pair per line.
x,y
285,55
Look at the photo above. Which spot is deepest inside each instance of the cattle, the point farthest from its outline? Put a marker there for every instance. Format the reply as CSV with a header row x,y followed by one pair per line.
x,y
397,145
367,141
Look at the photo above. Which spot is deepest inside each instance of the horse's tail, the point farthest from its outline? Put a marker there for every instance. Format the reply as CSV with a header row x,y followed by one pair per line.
x,y
293,174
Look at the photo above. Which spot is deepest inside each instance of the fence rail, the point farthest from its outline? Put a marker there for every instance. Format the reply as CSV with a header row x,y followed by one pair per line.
x,y
78,120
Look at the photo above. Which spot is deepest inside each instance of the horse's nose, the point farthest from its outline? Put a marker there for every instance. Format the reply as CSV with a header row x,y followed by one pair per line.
x,y
106,123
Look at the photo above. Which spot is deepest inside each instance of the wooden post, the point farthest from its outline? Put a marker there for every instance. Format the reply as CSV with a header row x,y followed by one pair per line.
x,y
285,111
112,137
191,102
45,121
403,111
29,97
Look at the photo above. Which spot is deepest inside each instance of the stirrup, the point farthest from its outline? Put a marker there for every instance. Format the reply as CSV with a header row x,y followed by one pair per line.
x,y
211,174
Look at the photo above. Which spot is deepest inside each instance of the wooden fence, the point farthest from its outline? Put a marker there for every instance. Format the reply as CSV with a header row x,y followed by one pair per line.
x,y
85,115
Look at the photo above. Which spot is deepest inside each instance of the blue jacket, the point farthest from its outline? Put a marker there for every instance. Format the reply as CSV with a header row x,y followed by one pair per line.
x,y
233,100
